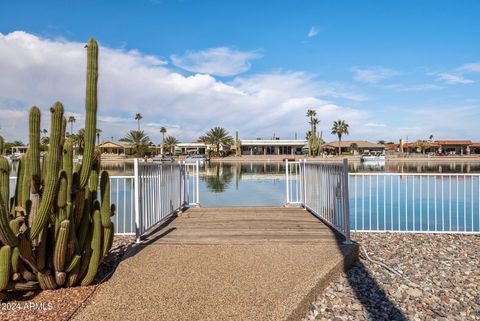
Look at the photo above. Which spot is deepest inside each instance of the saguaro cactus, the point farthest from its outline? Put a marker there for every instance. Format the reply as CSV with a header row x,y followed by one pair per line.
x,y
55,232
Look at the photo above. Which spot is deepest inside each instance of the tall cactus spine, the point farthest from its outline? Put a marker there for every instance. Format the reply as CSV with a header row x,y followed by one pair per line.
x,y
48,196
90,110
34,149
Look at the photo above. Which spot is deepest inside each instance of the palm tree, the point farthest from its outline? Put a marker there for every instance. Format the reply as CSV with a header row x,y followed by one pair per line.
x,y
99,131
313,123
71,120
170,142
139,141
163,130
217,136
339,128
138,116
79,139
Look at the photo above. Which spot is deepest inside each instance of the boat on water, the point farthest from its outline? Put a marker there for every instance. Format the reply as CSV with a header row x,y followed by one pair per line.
x,y
373,158
201,159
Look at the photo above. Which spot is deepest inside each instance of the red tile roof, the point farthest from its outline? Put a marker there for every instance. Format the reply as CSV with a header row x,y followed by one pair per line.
x,y
453,142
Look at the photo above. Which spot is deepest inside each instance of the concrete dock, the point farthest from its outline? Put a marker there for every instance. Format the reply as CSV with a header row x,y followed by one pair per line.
x,y
248,263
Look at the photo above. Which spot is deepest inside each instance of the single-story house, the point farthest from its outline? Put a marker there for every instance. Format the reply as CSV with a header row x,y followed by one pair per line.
x,y
272,146
115,149
191,148
449,147
354,147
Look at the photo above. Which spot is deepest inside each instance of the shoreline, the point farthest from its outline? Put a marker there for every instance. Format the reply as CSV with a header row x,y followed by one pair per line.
x,y
330,159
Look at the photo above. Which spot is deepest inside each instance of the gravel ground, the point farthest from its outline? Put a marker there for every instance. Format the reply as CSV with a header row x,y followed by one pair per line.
x,y
60,304
442,280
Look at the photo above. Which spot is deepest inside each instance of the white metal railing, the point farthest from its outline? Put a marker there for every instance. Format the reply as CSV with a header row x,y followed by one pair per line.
x,y
415,202
191,183
323,190
294,172
158,191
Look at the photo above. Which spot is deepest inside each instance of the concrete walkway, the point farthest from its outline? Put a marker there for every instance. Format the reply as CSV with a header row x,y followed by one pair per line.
x,y
257,263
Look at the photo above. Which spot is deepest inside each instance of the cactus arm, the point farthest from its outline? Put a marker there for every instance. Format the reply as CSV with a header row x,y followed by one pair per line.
x,y
107,239
73,263
5,265
2,145
61,201
105,198
41,218
30,285
25,195
5,181
61,247
96,249
6,234
91,110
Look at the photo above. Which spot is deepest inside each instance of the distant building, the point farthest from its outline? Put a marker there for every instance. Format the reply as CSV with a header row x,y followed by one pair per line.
x,y
115,149
191,148
354,147
442,147
272,146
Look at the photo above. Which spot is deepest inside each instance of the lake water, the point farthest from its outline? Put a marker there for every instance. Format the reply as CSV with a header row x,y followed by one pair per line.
x,y
263,184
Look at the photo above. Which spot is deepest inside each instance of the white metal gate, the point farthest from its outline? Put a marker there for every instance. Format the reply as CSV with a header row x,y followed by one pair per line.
x,y
191,183
322,189
162,189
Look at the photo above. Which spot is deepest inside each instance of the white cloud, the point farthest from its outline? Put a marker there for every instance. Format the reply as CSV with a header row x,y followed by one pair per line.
x,y
413,88
312,32
373,75
453,79
471,67
40,71
220,61
375,125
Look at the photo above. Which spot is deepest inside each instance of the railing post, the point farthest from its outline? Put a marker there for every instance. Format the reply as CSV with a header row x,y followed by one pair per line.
x,y
305,183
197,184
136,180
286,181
346,202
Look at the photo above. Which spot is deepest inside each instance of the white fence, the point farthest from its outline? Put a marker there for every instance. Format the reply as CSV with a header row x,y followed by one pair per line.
x,y
323,190
415,202
159,193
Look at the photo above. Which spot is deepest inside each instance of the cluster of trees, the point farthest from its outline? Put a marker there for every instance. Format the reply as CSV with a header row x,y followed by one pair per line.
x,y
217,136
315,141
141,143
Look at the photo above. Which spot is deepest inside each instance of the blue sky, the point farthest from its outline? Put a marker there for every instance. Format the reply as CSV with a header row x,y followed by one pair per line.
x,y
390,69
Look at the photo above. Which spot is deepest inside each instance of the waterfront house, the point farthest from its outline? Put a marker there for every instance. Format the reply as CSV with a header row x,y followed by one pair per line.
x,y
191,148
354,147
440,147
273,146
115,149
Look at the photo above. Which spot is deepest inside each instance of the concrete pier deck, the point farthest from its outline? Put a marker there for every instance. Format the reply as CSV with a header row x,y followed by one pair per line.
x,y
248,263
